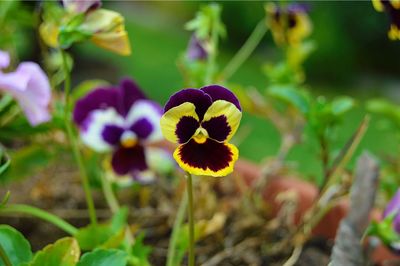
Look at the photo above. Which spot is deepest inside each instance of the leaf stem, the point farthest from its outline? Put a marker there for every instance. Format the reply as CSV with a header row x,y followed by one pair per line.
x,y
41,214
74,144
175,230
4,257
191,220
245,51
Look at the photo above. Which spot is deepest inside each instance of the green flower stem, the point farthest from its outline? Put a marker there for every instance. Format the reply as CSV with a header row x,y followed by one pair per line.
x,y
191,219
175,230
41,214
114,205
245,51
109,194
74,143
211,60
4,257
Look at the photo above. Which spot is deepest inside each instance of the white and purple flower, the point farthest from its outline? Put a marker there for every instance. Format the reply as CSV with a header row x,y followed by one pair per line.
x,y
122,120
29,85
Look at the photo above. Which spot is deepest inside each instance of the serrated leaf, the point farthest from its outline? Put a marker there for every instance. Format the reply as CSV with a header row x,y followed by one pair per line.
x,y
64,252
15,245
104,257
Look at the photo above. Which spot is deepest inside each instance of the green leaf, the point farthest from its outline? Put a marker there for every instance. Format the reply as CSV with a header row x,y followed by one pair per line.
x,y
342,105
140,252
64,252
104,257
293,96
109,235
385,108
15,245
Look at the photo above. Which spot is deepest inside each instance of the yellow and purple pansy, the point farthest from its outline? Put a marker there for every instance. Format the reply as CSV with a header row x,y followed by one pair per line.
x,y
202,121
393,9
122,120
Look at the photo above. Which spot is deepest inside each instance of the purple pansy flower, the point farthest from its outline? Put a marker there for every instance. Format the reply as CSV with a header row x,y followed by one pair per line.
x,y
202,121
122,120
29,85
393,207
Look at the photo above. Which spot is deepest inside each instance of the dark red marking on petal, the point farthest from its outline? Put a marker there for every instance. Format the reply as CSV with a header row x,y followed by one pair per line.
x,y
142,128
217,92
112,134
201,100
211,154
127,160
185,128
217,128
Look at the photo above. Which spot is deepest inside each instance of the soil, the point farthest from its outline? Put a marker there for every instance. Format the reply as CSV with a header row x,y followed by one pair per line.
x,y
242,240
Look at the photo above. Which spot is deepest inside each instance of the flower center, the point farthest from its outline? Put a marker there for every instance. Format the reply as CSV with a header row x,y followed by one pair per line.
x,y
201,135
128,139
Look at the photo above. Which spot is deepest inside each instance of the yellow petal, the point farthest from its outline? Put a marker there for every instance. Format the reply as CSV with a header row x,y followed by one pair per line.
x,y
116,42
378,5
171,118
227,109
199,171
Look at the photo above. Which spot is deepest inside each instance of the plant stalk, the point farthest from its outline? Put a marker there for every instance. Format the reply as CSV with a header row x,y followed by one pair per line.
x,y
41,214
175,230
191,219
74,144
245,51
4,257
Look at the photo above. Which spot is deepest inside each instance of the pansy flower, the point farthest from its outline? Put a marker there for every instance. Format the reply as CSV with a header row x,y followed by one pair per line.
x,y
393,9
289,24
84,20
119,119
202,121
29,85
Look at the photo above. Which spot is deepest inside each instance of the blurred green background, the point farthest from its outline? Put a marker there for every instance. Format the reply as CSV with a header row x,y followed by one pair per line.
x,y
353,57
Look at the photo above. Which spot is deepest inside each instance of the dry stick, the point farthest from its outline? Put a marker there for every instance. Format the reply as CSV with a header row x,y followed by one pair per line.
x,y
347,250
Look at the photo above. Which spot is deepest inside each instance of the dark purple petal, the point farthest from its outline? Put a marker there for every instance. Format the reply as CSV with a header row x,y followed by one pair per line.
x,y
217,128
211,154
196,49
142,128
101,98
112,134
185,128
201,100
129,93
127,160
217,92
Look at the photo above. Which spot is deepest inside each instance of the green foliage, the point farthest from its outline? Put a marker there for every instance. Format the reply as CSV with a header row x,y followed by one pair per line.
x,y
386,109
71,32
64,252
293,96
106,235
384,230
16,247
207,19
104,257
139,252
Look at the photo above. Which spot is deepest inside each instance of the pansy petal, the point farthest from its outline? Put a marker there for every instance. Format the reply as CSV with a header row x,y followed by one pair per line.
x,y
210,158
200,100
4,59
129,160
178,124
222,120
93,127
142,128
217,92
101,98
150,111
80,6
30,87
112,134
129,93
